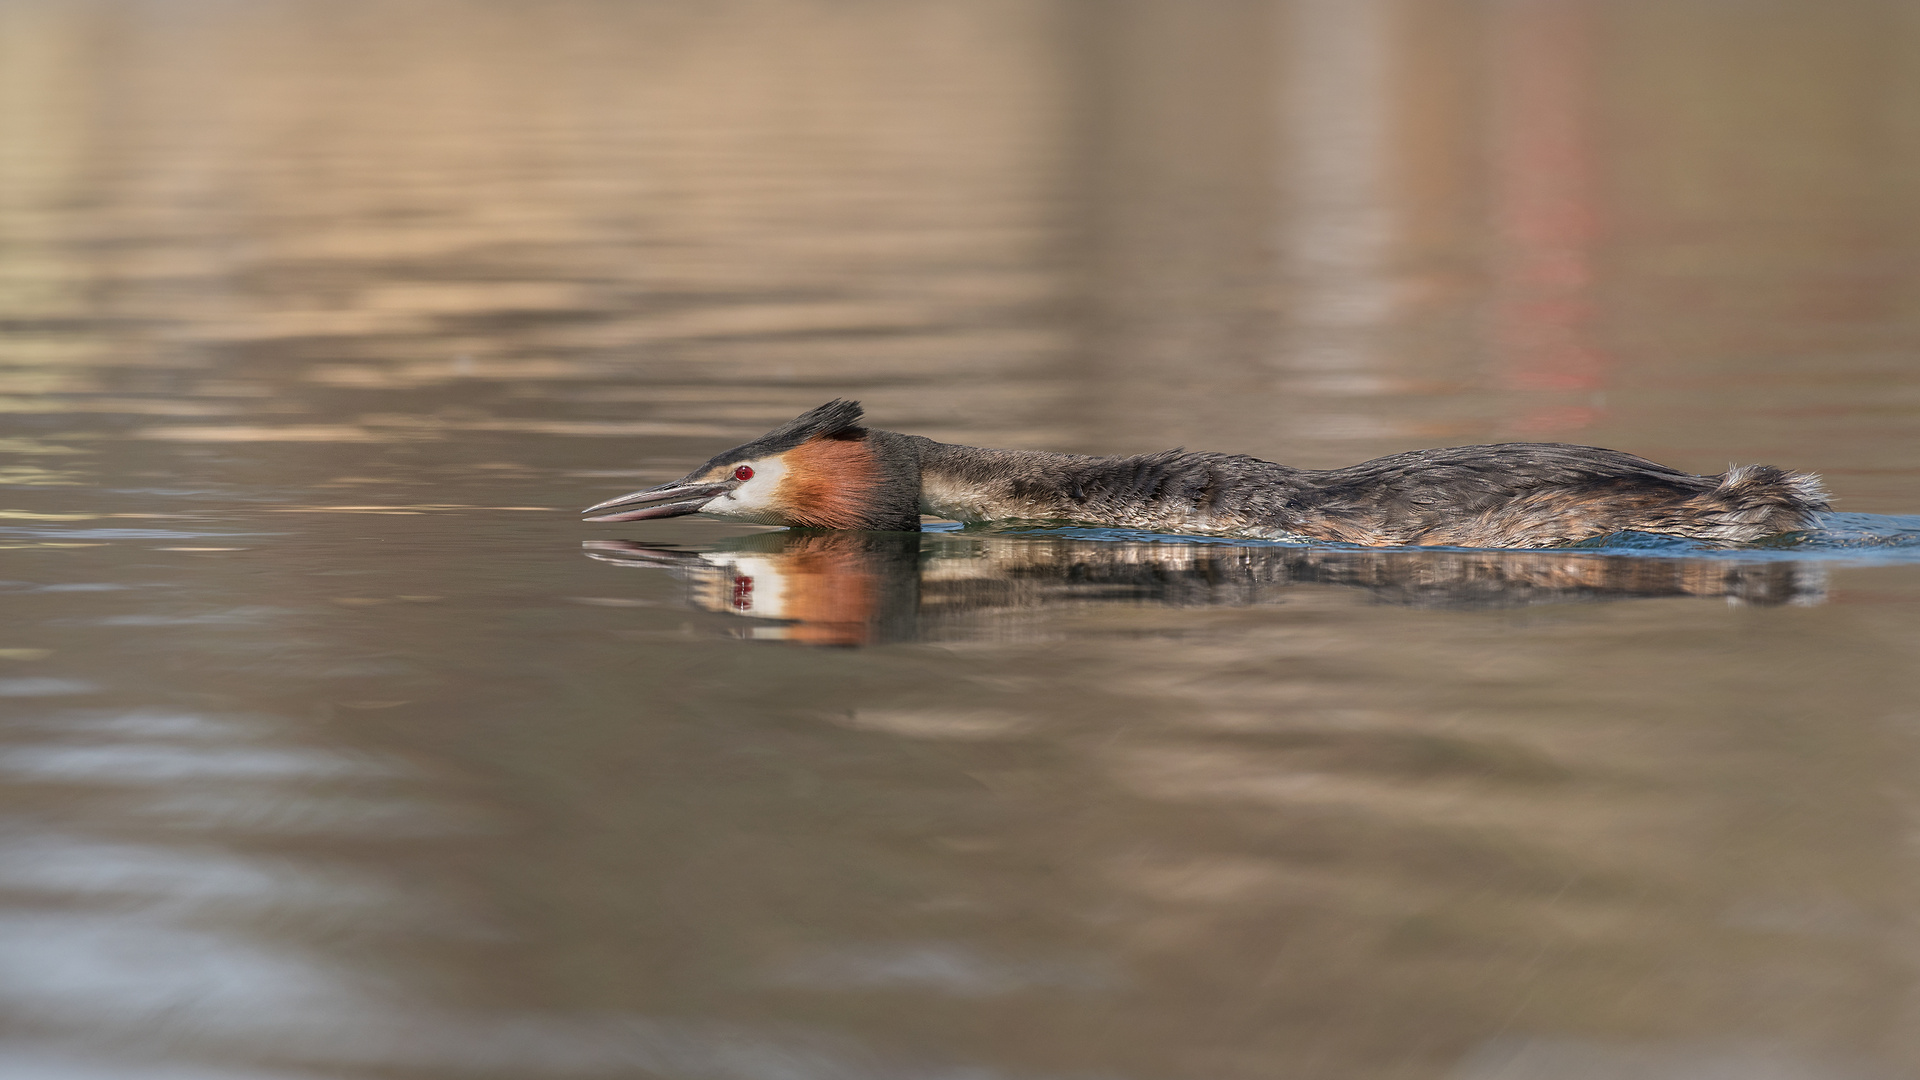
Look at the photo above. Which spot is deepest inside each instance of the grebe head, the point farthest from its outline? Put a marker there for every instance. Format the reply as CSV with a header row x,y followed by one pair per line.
x,y
820,470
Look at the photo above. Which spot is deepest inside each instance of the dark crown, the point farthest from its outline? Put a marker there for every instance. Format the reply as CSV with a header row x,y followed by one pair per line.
x,y
837,419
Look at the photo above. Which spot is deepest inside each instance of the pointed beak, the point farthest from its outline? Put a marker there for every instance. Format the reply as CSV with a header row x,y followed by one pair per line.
x,y
667,500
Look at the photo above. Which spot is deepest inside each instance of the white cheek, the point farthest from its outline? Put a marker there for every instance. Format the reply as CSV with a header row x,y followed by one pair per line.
x,y
755,498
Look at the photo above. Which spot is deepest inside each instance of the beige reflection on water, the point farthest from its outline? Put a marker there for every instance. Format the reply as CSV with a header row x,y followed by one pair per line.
x,y
1252,227
541,194
1229,817
1357,830
1334,149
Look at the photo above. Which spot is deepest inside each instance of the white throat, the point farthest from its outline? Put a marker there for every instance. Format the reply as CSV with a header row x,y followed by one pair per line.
x,y
756,499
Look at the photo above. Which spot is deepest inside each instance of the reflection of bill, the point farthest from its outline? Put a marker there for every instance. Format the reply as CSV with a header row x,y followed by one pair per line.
x,y
851,588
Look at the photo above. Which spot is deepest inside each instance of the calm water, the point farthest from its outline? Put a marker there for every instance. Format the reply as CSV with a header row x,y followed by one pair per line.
x,y
333,746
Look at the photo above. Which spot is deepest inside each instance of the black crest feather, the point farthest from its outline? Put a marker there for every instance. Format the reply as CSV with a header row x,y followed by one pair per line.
x,y
837,419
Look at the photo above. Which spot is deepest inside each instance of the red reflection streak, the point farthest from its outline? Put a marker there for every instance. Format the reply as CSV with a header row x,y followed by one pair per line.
x,y
1544,209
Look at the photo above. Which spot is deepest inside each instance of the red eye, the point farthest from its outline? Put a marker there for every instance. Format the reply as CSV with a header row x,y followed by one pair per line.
x,y
743,473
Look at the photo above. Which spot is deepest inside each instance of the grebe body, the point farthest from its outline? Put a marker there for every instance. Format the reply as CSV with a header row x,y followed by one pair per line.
x,y
825,470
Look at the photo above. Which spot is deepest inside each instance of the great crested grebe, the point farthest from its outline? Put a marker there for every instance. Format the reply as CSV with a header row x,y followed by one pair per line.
x,y
823,470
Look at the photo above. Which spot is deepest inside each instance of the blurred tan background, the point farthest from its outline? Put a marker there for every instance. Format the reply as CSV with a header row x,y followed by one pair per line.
x,y
1312,230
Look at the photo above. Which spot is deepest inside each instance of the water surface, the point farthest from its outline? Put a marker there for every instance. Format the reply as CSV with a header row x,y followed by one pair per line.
x,y
332,745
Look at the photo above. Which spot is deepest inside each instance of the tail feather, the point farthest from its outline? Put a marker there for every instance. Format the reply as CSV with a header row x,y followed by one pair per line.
x,y
1752,501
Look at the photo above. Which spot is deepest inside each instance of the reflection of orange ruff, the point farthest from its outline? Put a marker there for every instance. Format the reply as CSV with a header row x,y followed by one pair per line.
x,y
829,590
829,483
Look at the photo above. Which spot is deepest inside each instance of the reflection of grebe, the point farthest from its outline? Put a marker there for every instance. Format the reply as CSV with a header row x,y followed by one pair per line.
x,y
854,588
823,470
835,588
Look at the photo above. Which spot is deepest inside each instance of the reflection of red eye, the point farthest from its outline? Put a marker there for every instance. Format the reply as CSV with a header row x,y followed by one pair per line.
x,y
743,473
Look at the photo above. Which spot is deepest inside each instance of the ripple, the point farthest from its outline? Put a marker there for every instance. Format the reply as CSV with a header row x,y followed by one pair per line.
x,y
32,687
169,878
44,533
150,724
131,979
56,1062
1574,1059
943,968
142,972
282,814
246,616
142,764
